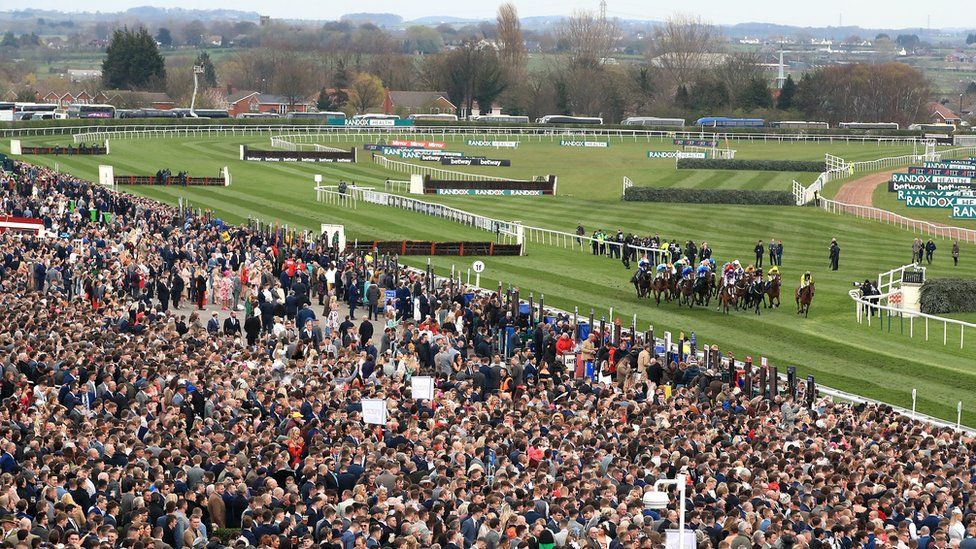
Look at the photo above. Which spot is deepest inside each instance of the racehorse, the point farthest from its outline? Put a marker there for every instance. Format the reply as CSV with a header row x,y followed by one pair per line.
x,y
642,283
687,287
727,299
660,286
703,289
755,292
772,292
674,287
804,296
741,288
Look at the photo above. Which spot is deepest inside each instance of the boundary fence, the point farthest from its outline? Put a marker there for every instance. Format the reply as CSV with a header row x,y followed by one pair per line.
x,y
890,218
451,133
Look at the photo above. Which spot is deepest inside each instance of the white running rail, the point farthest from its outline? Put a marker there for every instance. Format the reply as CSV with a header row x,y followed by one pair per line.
x,y
884,216
837,168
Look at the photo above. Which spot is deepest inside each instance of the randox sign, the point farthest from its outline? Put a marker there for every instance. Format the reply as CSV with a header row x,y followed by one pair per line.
x,y
598,144
488,192
906,194
468,161
929,201
662,154
918,178
500,144
695,155
964,212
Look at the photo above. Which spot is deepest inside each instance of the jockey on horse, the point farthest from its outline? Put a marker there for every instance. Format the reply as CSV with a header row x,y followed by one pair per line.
x,y
806,280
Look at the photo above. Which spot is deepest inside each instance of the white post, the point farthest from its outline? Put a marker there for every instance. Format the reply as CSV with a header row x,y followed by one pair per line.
x,y
914,396
959,414
681,507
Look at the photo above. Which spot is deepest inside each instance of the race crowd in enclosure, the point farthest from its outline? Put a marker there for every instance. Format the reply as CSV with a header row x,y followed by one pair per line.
x,y
127,422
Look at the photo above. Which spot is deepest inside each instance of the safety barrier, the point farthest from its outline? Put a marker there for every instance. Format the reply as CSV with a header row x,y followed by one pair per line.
x,y
452,133
890,218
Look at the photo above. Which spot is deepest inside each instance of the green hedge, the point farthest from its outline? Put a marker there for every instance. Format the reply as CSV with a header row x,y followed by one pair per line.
x,y
710,196
948,295
758,165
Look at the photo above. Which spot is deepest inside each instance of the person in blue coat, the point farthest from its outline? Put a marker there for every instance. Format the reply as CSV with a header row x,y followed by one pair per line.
x,y
353,298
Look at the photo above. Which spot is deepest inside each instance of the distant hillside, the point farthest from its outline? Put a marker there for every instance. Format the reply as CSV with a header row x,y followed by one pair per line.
x,y
378,19
434,20
152,12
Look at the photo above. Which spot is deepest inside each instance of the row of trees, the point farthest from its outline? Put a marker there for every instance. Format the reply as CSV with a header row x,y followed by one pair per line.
x,y
687,74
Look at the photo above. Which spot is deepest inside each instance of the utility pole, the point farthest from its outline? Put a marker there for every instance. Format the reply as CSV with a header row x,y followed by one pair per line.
x,y
603,10
197,71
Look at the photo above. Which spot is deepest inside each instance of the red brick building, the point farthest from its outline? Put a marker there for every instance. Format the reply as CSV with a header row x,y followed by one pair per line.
x,y
255,102
417,102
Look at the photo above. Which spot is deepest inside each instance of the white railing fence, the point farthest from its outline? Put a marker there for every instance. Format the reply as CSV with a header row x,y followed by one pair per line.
x,y
837,168
890,218
452,133
888,316
627,184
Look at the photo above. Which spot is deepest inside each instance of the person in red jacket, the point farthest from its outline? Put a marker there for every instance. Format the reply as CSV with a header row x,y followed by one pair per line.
x,y
564,344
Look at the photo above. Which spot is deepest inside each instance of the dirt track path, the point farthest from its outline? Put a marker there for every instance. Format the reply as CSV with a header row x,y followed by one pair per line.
x,y
860,191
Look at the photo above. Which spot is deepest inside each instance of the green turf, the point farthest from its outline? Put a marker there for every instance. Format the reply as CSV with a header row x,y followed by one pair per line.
x,y
829,344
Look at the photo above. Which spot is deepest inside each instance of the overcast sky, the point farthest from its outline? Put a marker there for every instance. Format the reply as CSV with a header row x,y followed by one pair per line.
x,y
818,13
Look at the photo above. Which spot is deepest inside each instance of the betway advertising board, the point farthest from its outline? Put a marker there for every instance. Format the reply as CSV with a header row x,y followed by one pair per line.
x,y
468,161
919,178
894,187
497,144
597,144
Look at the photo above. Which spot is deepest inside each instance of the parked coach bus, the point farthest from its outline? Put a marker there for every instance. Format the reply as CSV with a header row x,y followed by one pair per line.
x,y
869,126
562,119
91,111
726,122
499,119
34,111
799,125
444,117
654,121
324,116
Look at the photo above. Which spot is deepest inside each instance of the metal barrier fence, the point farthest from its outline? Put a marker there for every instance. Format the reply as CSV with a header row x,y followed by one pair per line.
x,y
891,218
452,133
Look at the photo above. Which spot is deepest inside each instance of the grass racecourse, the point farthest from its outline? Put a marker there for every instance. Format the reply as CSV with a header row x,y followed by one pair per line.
x,y
829,344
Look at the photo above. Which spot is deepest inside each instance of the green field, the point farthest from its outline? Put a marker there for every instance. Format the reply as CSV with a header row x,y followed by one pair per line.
x,y
829,344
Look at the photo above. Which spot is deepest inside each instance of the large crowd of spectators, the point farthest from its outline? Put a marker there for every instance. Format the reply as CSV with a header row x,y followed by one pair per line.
x,y
135,412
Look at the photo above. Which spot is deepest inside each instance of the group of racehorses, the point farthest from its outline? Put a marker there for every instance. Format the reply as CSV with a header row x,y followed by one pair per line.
x,y
747,292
